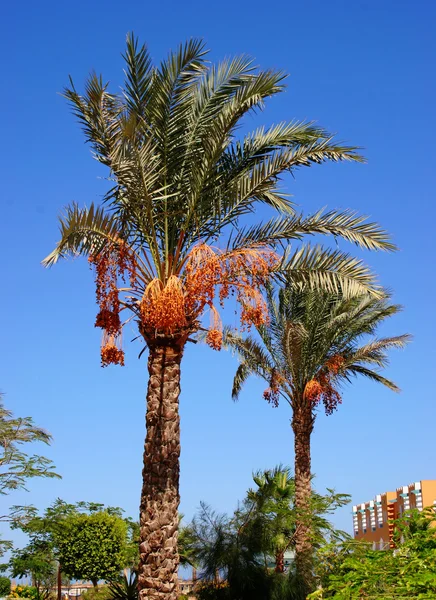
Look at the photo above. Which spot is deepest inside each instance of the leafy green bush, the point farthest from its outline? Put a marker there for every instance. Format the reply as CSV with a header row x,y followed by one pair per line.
x,y
101,593
5,586
357,571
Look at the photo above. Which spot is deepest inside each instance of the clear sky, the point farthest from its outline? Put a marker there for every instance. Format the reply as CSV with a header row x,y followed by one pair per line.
x,y
362,69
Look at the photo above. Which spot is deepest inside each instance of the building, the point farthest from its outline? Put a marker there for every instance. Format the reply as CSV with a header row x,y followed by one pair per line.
x,y
186,586
372,521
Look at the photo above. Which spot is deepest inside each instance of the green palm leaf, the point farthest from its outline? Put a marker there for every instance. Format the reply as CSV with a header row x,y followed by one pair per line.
x,y
331,270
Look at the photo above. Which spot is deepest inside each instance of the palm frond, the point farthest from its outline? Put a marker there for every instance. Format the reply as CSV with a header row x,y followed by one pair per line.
x,y
376,350
347,225
99,113
330,270
83,231
139,72
253,359
241,376
373,376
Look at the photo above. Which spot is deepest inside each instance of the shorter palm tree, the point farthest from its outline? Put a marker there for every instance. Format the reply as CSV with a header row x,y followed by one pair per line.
x,y
313,343
271,513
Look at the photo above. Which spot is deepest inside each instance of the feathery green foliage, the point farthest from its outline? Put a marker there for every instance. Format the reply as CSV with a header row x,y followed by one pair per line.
x,y
181,176
16,467
308,328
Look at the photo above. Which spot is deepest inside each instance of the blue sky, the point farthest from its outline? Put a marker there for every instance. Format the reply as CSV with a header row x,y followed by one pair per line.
x,y
362,69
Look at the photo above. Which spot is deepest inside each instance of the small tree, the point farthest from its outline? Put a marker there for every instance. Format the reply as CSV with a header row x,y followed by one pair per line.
x,y
93,547
37,561
53,531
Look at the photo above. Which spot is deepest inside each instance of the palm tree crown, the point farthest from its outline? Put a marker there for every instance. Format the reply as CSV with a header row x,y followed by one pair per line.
x,y
313,343
180,178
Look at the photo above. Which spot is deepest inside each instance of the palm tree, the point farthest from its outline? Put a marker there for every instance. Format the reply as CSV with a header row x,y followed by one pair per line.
x,y
180,182
314,342
270,512
271,502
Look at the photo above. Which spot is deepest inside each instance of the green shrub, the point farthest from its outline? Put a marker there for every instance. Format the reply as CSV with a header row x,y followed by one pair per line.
x,y
5,586
25,591
100,593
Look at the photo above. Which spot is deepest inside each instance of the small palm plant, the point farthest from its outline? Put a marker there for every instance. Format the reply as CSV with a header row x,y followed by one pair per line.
x,y
170,227
126,589
313,343
271,513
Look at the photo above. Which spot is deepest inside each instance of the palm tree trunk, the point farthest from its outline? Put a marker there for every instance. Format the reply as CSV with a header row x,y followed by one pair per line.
x,y
302,425
280,562
159,519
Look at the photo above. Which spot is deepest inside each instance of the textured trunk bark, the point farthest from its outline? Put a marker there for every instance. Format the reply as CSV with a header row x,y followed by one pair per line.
x,y
280,562
159,519
302,425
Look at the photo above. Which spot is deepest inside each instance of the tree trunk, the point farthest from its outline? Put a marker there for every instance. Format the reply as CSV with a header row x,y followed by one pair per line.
x,y
302,425
159,519
59,583
280,562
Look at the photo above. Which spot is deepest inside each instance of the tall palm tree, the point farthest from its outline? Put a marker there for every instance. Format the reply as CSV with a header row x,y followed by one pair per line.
x,y
313,343
180,182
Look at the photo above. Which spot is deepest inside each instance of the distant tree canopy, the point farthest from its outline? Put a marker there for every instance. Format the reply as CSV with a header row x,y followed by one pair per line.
x,y
16,467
